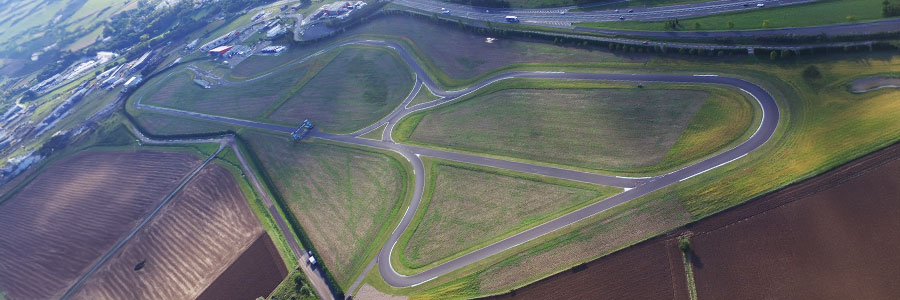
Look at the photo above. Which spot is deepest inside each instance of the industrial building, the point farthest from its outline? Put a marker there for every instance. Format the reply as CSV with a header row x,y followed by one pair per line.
x,y
222,40
220,51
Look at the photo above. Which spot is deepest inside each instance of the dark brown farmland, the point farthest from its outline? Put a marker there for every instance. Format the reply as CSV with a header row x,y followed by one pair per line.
x,y
255,273
829,237
649,270
185,247
74,211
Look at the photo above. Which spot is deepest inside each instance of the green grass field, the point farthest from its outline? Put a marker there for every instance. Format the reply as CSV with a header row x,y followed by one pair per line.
x,y
467,206
344,198
823,125
319,90
375,134
360,86
246,100
813,14
585,125
423,96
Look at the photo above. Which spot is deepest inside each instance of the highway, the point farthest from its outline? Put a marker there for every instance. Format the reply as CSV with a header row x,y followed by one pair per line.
x,y
563,17
633,187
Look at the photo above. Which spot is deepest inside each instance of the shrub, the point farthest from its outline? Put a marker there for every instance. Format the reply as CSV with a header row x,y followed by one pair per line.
x,y
812,72
684,244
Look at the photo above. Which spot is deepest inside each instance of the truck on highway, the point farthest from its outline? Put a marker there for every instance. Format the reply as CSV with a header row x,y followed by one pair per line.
x,y
512,19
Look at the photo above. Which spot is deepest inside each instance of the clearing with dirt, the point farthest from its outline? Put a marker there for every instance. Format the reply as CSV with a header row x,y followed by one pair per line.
x,y
74,211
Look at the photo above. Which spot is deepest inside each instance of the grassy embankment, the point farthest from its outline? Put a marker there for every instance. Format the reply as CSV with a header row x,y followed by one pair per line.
x,y
346,199
466,207
614,128
802,15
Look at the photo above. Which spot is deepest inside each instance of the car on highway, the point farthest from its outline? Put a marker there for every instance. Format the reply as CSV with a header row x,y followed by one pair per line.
x,y
630,10
761,5
622,18
445,11
512,19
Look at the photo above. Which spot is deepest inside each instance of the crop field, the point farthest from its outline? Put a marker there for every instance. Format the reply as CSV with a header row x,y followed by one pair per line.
x,y
822,238
74,211
812,14
358,87
255,273
343,198
466,206
608,127
185,247
650,270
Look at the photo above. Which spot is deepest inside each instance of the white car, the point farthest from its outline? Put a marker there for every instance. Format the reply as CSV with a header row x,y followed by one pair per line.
x,y
761,5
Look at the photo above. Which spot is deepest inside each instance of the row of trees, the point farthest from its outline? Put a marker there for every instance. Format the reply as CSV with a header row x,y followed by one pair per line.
x,y
890,9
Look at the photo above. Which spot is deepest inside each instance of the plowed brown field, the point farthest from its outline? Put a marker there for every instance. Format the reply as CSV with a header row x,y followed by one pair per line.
x,y
649,270
830,237
74,211
185,247
256,273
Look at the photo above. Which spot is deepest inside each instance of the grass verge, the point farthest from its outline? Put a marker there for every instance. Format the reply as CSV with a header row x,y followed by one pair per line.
x,y
802,15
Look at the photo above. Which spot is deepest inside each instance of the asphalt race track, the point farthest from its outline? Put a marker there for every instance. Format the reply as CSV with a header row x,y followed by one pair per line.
x,y
634,187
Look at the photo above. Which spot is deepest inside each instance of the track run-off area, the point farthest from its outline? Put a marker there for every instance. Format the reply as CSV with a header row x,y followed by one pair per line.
x,y
634,187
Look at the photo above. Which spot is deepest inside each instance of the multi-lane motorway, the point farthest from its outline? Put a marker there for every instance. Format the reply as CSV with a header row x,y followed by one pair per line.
x,y
563,17
633,187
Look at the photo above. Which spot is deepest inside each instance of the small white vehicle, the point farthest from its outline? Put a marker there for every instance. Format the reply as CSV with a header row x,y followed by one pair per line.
x,y
761,5
512,19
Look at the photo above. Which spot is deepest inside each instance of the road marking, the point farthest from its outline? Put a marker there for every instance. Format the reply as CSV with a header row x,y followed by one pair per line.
x,y
719,165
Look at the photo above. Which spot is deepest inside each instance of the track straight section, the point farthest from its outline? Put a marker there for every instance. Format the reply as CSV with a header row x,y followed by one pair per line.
x,y
634,187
